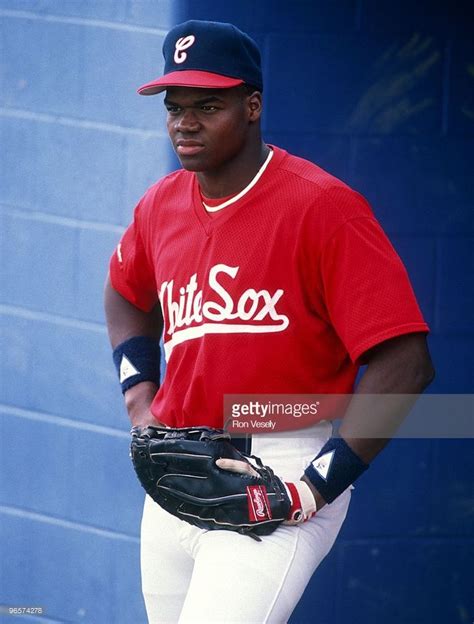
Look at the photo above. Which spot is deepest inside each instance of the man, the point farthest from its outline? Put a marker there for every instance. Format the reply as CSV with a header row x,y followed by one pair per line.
x,y
265,275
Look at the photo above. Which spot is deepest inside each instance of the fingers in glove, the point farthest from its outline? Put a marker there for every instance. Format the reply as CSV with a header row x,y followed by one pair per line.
x,y
234,465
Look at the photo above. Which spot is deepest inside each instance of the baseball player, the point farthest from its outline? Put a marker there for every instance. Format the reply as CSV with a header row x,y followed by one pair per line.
x,y
263,274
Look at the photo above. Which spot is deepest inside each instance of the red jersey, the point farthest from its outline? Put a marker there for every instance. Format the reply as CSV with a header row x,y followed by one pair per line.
x,y
281,292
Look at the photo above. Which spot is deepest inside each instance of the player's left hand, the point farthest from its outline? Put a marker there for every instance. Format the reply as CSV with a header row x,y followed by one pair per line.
x,y
303,504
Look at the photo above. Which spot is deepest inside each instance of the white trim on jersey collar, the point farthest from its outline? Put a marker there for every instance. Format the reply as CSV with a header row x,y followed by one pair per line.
x,y
245,190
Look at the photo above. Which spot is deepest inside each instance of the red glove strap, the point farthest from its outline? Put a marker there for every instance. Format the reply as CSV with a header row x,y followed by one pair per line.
x,y
296,510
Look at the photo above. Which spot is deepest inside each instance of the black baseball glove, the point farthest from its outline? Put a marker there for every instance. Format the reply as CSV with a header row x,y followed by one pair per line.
x,y
196,474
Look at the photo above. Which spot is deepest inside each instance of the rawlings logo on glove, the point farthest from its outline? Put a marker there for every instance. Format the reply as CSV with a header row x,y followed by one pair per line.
x,y
196,474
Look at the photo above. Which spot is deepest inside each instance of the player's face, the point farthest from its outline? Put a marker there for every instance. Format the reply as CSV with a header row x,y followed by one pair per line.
x,y
208,127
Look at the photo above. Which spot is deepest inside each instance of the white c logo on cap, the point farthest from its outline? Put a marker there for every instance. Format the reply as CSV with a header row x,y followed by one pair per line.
x,y
183,44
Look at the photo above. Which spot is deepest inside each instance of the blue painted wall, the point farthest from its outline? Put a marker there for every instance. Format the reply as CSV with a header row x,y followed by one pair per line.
x,y
379,93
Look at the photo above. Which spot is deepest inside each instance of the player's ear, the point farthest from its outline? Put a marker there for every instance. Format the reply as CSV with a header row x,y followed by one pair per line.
x,y
254,105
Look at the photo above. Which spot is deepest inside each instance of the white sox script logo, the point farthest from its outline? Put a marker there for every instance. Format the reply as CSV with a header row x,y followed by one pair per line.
x,y
183,44
190,317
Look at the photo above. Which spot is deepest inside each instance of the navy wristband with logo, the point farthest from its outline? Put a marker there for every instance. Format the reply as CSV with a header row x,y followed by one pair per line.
x,y
136,360
334,469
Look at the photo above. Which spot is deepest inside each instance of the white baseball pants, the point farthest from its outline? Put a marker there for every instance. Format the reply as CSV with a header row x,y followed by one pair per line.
x,y
193,576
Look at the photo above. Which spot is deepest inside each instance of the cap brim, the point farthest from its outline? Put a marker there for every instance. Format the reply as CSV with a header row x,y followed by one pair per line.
x,y
189,78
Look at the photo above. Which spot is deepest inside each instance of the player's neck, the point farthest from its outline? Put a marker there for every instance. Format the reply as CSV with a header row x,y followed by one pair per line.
x,y
236,174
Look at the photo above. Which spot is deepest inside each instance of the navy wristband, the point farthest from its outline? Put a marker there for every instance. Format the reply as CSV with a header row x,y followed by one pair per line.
x,y
137,360
334,469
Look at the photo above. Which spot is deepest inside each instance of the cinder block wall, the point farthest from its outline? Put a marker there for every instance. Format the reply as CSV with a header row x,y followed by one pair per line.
x,y
381,95
78,148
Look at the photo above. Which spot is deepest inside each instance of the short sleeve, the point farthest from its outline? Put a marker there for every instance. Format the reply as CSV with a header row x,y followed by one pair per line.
x,y
367,291
131,268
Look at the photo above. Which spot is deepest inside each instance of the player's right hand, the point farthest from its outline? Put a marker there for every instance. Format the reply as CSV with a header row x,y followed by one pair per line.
x,y
303,504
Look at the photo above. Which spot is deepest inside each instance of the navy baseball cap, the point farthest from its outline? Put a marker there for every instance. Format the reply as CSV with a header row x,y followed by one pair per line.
x,y
211,55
